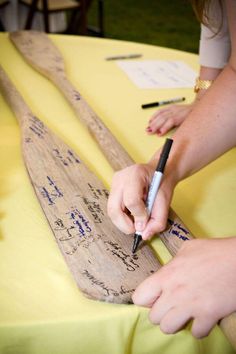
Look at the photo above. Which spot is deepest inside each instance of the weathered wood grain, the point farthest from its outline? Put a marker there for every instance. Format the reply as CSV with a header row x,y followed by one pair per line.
x,y
74,202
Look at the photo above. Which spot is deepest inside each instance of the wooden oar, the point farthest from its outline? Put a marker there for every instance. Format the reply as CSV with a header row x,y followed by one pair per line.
x,y
41,53
74,202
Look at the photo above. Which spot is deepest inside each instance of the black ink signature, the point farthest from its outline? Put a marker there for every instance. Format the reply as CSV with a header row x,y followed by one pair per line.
x,y
100,283
127,260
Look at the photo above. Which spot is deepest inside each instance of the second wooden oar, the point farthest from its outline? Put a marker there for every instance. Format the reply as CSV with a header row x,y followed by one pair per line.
x,y
74,202
42,54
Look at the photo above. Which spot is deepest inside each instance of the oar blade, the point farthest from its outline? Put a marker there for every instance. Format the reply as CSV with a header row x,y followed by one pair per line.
x,y
39,51
74,202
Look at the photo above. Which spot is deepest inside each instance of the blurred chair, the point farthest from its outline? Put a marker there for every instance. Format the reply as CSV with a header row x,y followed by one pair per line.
x,y
98,31
3,3
76,12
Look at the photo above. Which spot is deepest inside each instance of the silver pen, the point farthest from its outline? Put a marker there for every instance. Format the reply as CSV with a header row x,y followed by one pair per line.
x,y
162,103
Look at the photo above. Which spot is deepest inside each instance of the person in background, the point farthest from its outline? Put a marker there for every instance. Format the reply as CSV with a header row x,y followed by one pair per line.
x,y
199,283
214,53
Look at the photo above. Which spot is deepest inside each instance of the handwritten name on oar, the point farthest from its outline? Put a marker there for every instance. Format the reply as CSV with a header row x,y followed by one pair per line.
x,y
74,202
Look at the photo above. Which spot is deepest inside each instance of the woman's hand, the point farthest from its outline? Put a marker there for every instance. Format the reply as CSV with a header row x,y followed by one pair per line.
x,y
167,118
126,203
199,284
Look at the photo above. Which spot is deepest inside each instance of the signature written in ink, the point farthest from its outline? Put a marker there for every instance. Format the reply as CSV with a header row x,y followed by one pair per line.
x,y
97,192
37,127
127,260
80,221
100,283
50,192
109,291
125,291
71,236
178,230
66,158
94,208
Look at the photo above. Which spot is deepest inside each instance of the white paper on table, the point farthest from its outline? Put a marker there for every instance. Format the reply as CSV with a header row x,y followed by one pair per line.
x,y
158,73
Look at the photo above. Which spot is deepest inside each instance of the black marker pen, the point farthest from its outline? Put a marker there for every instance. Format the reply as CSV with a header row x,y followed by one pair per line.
x,y
154,187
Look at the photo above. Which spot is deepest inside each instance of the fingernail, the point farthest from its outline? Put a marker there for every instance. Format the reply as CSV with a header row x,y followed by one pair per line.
x,y
148,129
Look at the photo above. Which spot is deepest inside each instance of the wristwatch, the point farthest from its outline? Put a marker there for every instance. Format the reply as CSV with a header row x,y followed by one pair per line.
x,y
202,84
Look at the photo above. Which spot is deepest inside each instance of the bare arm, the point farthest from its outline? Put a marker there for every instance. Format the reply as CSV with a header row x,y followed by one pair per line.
x,y
210,128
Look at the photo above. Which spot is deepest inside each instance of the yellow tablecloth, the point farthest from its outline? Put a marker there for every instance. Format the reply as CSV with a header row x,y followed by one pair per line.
x,y
41,309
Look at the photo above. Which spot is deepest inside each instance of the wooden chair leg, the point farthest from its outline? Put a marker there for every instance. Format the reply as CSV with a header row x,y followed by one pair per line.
x,y
83,17
31,14
101,18
2,29
99,31
46,16
78,19
73,20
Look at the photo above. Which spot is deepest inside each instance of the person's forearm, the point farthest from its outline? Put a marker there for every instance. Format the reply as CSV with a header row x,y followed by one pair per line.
x,y
208,132
207,73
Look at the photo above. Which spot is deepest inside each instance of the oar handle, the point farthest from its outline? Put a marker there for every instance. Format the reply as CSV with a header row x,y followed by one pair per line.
x,y
14,99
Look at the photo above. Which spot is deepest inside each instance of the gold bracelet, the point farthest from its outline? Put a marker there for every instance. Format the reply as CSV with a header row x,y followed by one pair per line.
x,y
202,84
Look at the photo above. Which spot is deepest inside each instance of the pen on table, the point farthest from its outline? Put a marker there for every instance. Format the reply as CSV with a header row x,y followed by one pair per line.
x,y
154,187
162,103
125,56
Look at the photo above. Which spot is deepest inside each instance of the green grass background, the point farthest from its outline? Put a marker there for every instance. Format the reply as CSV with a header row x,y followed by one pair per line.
x,y
160,22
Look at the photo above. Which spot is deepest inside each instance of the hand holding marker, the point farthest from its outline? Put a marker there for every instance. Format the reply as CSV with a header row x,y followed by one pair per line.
x,y
154,187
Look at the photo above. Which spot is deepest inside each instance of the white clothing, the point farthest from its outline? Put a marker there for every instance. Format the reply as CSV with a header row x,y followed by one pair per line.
x,y
215,47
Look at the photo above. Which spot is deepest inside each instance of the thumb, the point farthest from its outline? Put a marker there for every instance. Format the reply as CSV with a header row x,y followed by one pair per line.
x,y
140,220
136,206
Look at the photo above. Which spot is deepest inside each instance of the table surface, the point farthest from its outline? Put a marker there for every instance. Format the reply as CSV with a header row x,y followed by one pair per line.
x,y
42,311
